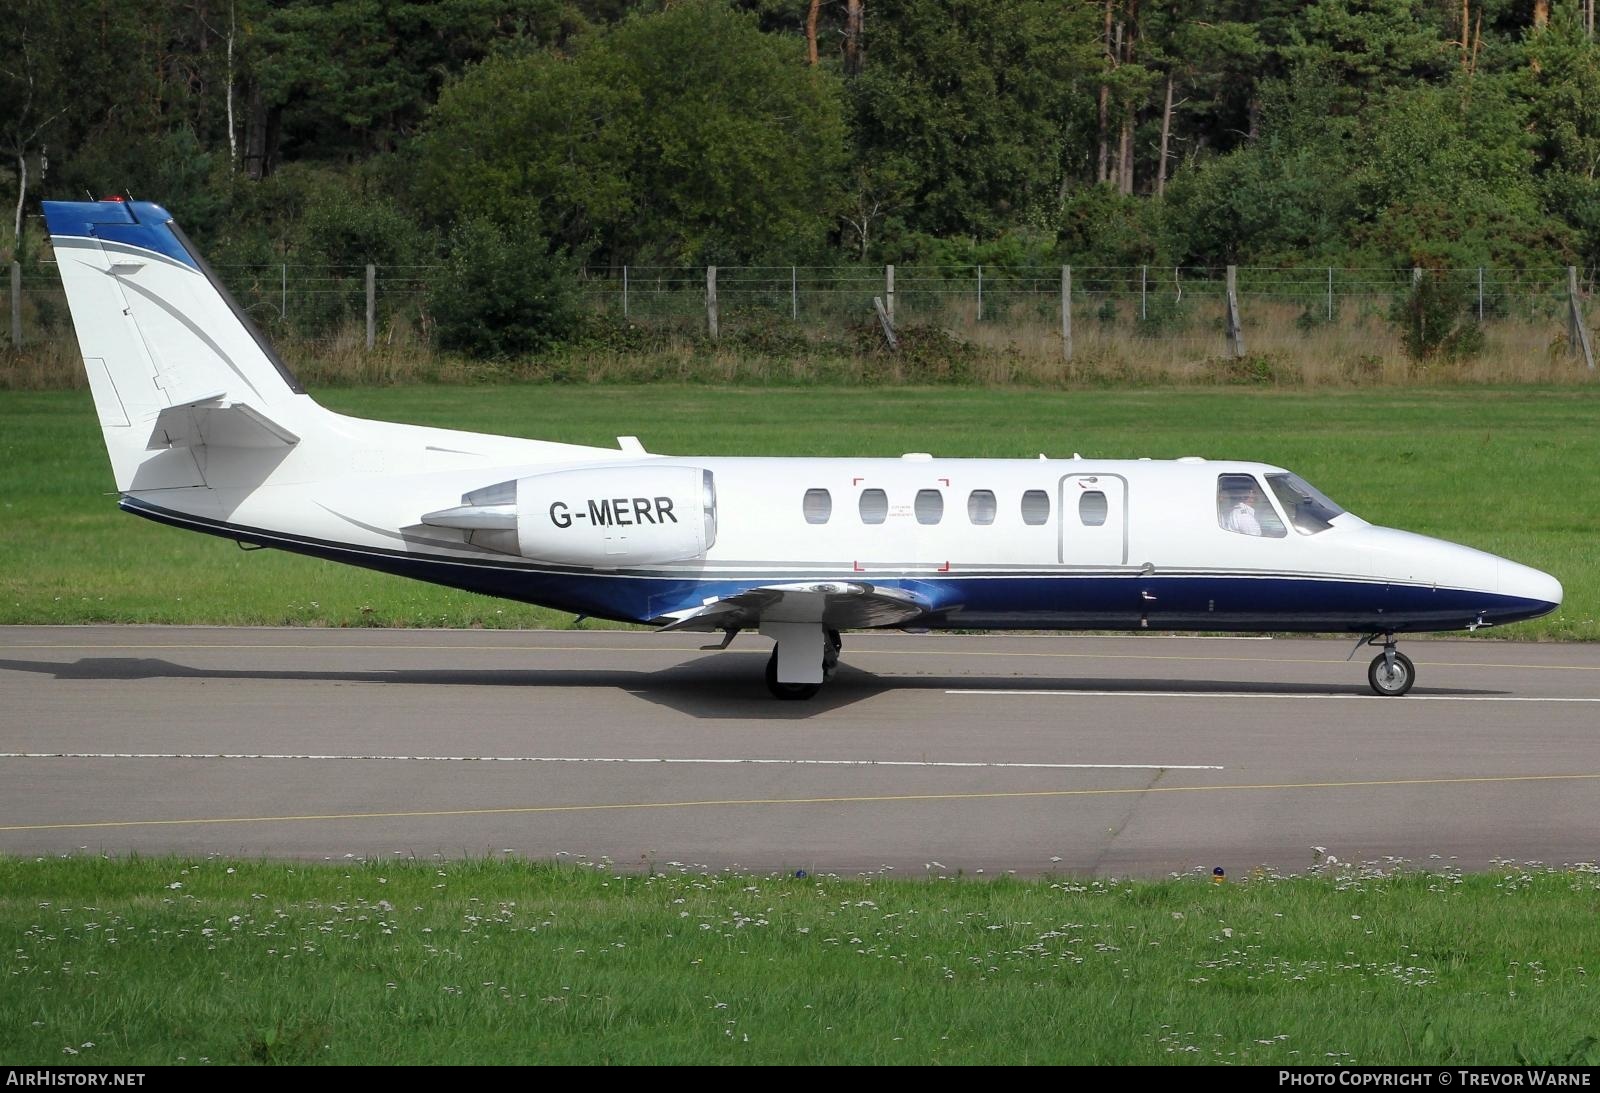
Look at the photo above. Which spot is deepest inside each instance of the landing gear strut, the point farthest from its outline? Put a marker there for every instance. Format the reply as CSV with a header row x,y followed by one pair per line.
x,y
1391,672
791,671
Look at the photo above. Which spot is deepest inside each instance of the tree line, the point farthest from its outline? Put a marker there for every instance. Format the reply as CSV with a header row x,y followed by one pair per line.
x,y
546,134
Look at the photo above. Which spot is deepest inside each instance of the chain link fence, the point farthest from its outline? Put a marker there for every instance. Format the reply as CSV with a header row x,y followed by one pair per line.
x,y
1176,312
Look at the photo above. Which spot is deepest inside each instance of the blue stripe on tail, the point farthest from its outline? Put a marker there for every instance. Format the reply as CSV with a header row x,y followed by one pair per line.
x,y
131,223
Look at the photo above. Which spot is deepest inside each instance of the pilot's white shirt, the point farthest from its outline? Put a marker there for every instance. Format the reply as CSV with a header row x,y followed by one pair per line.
x,y
1243,520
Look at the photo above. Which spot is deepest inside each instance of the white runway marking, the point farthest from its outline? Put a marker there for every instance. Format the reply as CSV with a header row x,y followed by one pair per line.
x,y
600,759
1266,694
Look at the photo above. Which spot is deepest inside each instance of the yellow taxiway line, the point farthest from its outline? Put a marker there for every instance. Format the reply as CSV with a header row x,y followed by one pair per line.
x,y
760,801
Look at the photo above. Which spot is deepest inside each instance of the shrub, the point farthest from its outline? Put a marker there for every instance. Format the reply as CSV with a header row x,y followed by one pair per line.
x,y
1256,369
503,295
927,354
1434,320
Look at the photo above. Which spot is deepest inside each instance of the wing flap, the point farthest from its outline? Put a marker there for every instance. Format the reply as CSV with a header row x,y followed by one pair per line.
x,y
838,605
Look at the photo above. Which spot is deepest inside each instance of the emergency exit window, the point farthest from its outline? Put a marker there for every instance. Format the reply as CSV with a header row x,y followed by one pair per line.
x,y
818,506
874,506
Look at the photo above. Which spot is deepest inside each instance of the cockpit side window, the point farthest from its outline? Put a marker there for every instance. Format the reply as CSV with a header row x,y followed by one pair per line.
x,y
1244,510
1308,509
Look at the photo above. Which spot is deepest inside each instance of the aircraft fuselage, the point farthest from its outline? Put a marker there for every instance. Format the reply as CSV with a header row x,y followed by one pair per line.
x,y
994,544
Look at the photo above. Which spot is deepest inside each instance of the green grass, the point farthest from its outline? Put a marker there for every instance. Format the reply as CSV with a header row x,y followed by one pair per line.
x,y
212,961
1509,470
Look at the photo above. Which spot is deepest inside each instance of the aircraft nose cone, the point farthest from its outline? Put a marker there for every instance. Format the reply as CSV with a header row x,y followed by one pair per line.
x,y
1528,583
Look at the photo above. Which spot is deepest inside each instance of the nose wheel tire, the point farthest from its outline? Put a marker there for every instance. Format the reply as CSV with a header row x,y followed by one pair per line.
x,y
795,691
1391,680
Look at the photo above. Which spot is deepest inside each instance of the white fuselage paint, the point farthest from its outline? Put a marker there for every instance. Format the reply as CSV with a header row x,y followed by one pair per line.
x,y
1164,520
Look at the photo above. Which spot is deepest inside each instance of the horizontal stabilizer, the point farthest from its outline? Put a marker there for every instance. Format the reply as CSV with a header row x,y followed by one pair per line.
x,y
839,605
213,422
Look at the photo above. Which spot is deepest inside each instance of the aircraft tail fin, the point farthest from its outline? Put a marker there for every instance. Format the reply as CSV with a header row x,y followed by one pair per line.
x,y
173,361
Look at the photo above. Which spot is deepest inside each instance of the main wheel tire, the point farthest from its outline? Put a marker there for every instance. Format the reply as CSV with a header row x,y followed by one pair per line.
x,y
787,690
830,654
1391,682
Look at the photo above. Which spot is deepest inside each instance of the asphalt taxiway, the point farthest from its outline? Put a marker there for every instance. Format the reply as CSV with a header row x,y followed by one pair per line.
x,y
932,753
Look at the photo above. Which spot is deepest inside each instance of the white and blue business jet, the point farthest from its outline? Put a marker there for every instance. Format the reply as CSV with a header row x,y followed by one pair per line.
x,y
208,430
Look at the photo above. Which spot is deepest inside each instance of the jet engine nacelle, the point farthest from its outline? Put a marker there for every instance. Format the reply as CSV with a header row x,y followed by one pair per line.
x,y
602,517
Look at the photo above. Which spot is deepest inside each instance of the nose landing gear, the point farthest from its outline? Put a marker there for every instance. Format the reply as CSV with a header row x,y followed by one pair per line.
x,y
1391,672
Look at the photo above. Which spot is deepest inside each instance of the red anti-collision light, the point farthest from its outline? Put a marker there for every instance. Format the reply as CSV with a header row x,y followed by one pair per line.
x,y
114,197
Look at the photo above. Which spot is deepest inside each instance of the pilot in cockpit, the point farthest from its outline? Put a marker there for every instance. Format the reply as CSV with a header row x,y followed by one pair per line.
x,y
1242,516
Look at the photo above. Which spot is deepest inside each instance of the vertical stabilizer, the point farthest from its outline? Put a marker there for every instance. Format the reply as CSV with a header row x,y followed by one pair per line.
x,y
158,332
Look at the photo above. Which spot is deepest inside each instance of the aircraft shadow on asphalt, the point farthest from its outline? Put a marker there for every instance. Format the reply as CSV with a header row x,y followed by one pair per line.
x,y
723,685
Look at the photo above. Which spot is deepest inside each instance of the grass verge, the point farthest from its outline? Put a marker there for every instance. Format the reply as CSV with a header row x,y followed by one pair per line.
x,y
181,961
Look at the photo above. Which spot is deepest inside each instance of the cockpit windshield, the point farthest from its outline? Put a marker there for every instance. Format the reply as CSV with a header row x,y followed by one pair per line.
x,y
1309,511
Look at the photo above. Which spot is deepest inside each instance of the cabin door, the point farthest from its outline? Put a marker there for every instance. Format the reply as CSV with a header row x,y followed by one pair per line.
x,y
1094,519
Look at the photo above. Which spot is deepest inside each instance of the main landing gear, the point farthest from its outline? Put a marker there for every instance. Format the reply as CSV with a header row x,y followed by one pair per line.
x,y
805,657
1391,672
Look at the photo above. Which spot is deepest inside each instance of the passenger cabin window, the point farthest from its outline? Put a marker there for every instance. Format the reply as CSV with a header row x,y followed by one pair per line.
x,y
1244,510
818,506
929,506
1035,507
1308,509
874,506
981,506
1092,508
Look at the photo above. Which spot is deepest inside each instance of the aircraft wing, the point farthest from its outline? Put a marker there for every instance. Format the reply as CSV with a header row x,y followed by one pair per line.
x,y
838,605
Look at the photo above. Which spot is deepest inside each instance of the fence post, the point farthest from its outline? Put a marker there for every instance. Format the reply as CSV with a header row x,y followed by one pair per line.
x,y
1416,275
1480,294
980,294
1066,312
283,292
1235,328
886,322
711,301
1330,294
1577,329
888,291
794,293
372,304
16,305
1144,294
624,293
